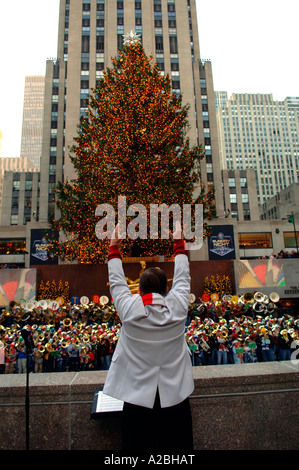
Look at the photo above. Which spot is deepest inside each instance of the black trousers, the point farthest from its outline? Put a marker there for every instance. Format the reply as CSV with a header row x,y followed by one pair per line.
x,y
157,429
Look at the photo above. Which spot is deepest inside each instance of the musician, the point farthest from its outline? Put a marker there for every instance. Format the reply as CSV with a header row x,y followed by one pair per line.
x,y
22,357
10,358
266,344
222,346
284,342
151,370
73,356
38,359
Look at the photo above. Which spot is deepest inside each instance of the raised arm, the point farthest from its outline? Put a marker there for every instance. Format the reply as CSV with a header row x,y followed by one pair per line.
x,y
119,289
181,278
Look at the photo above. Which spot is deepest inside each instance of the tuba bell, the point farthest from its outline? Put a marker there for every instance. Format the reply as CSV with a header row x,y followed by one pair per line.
x,y
67,322
258,307
234,300
270,307
248,298
274,297
259,297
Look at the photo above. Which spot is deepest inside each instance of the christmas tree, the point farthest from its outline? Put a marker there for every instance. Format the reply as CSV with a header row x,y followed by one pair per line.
x,y
132,142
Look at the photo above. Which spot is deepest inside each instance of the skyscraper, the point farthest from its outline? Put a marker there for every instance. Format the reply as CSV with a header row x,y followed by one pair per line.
x,y
33,113
90,34
257,132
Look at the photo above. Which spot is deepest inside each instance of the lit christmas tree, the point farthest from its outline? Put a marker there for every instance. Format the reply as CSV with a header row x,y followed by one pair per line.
x,y
132,142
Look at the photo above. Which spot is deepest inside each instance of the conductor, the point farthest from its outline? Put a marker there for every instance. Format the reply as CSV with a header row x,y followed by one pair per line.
x,y
151,369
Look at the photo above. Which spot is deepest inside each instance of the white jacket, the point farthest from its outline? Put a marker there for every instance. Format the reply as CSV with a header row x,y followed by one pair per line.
x,y
151,351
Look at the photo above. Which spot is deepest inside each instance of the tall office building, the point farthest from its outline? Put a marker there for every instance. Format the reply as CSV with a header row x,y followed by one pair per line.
x,y
90,33
33,113
12,171
257,132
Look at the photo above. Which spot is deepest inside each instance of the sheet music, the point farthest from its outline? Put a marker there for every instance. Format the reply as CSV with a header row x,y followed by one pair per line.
x,y
105,403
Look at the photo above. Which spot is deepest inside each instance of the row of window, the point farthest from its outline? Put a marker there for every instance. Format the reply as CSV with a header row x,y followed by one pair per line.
x,y
246,241
264,240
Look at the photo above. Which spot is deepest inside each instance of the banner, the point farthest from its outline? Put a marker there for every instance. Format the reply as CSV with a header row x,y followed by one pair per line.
x,y
38,249
268,276
17,284
221,242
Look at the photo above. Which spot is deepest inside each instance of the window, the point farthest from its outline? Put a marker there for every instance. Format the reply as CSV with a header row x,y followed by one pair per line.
x,y
11,247
255,240
233,198
231,182
173,45
16,185
28,185
85,44
14,219
100,44
159,43
289,239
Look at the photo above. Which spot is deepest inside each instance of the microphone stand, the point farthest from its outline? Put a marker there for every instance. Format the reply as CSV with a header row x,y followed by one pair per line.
x,y
26,335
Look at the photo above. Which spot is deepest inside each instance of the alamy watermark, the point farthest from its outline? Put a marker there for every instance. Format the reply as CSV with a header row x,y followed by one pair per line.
x,y
138,227
295,352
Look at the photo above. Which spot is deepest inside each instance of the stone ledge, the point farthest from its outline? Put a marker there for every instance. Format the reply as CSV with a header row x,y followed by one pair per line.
x,y
228,401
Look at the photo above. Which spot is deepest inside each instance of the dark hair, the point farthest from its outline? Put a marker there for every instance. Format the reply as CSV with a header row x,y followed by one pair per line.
x,y
153,280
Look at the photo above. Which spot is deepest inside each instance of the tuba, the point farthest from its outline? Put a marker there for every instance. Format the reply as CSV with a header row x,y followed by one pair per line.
x,y
274,297
67,322
270,307
259,297
234,300
248,298
258,307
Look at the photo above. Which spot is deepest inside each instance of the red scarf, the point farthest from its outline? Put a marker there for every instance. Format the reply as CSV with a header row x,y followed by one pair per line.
x,y
153,299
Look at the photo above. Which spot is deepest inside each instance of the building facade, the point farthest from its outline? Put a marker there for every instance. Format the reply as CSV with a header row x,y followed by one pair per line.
x,y
33,115
240,194
257,132
8,167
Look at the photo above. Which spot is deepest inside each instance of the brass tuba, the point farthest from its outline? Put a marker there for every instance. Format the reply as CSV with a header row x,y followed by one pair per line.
x,y
274,297
258,307
259,297
248,298
67,322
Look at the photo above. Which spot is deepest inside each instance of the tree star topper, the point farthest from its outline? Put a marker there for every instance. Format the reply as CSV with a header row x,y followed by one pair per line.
x,y
131,38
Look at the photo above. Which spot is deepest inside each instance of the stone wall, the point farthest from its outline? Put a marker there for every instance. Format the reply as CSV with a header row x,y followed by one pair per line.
x,y
234,407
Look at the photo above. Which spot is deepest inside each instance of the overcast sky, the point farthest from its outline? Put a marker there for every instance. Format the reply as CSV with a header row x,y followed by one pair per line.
x,y
253,46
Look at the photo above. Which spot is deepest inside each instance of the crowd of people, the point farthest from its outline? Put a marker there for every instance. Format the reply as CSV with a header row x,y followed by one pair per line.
x,y
282,254
67,338
233,330
239,330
